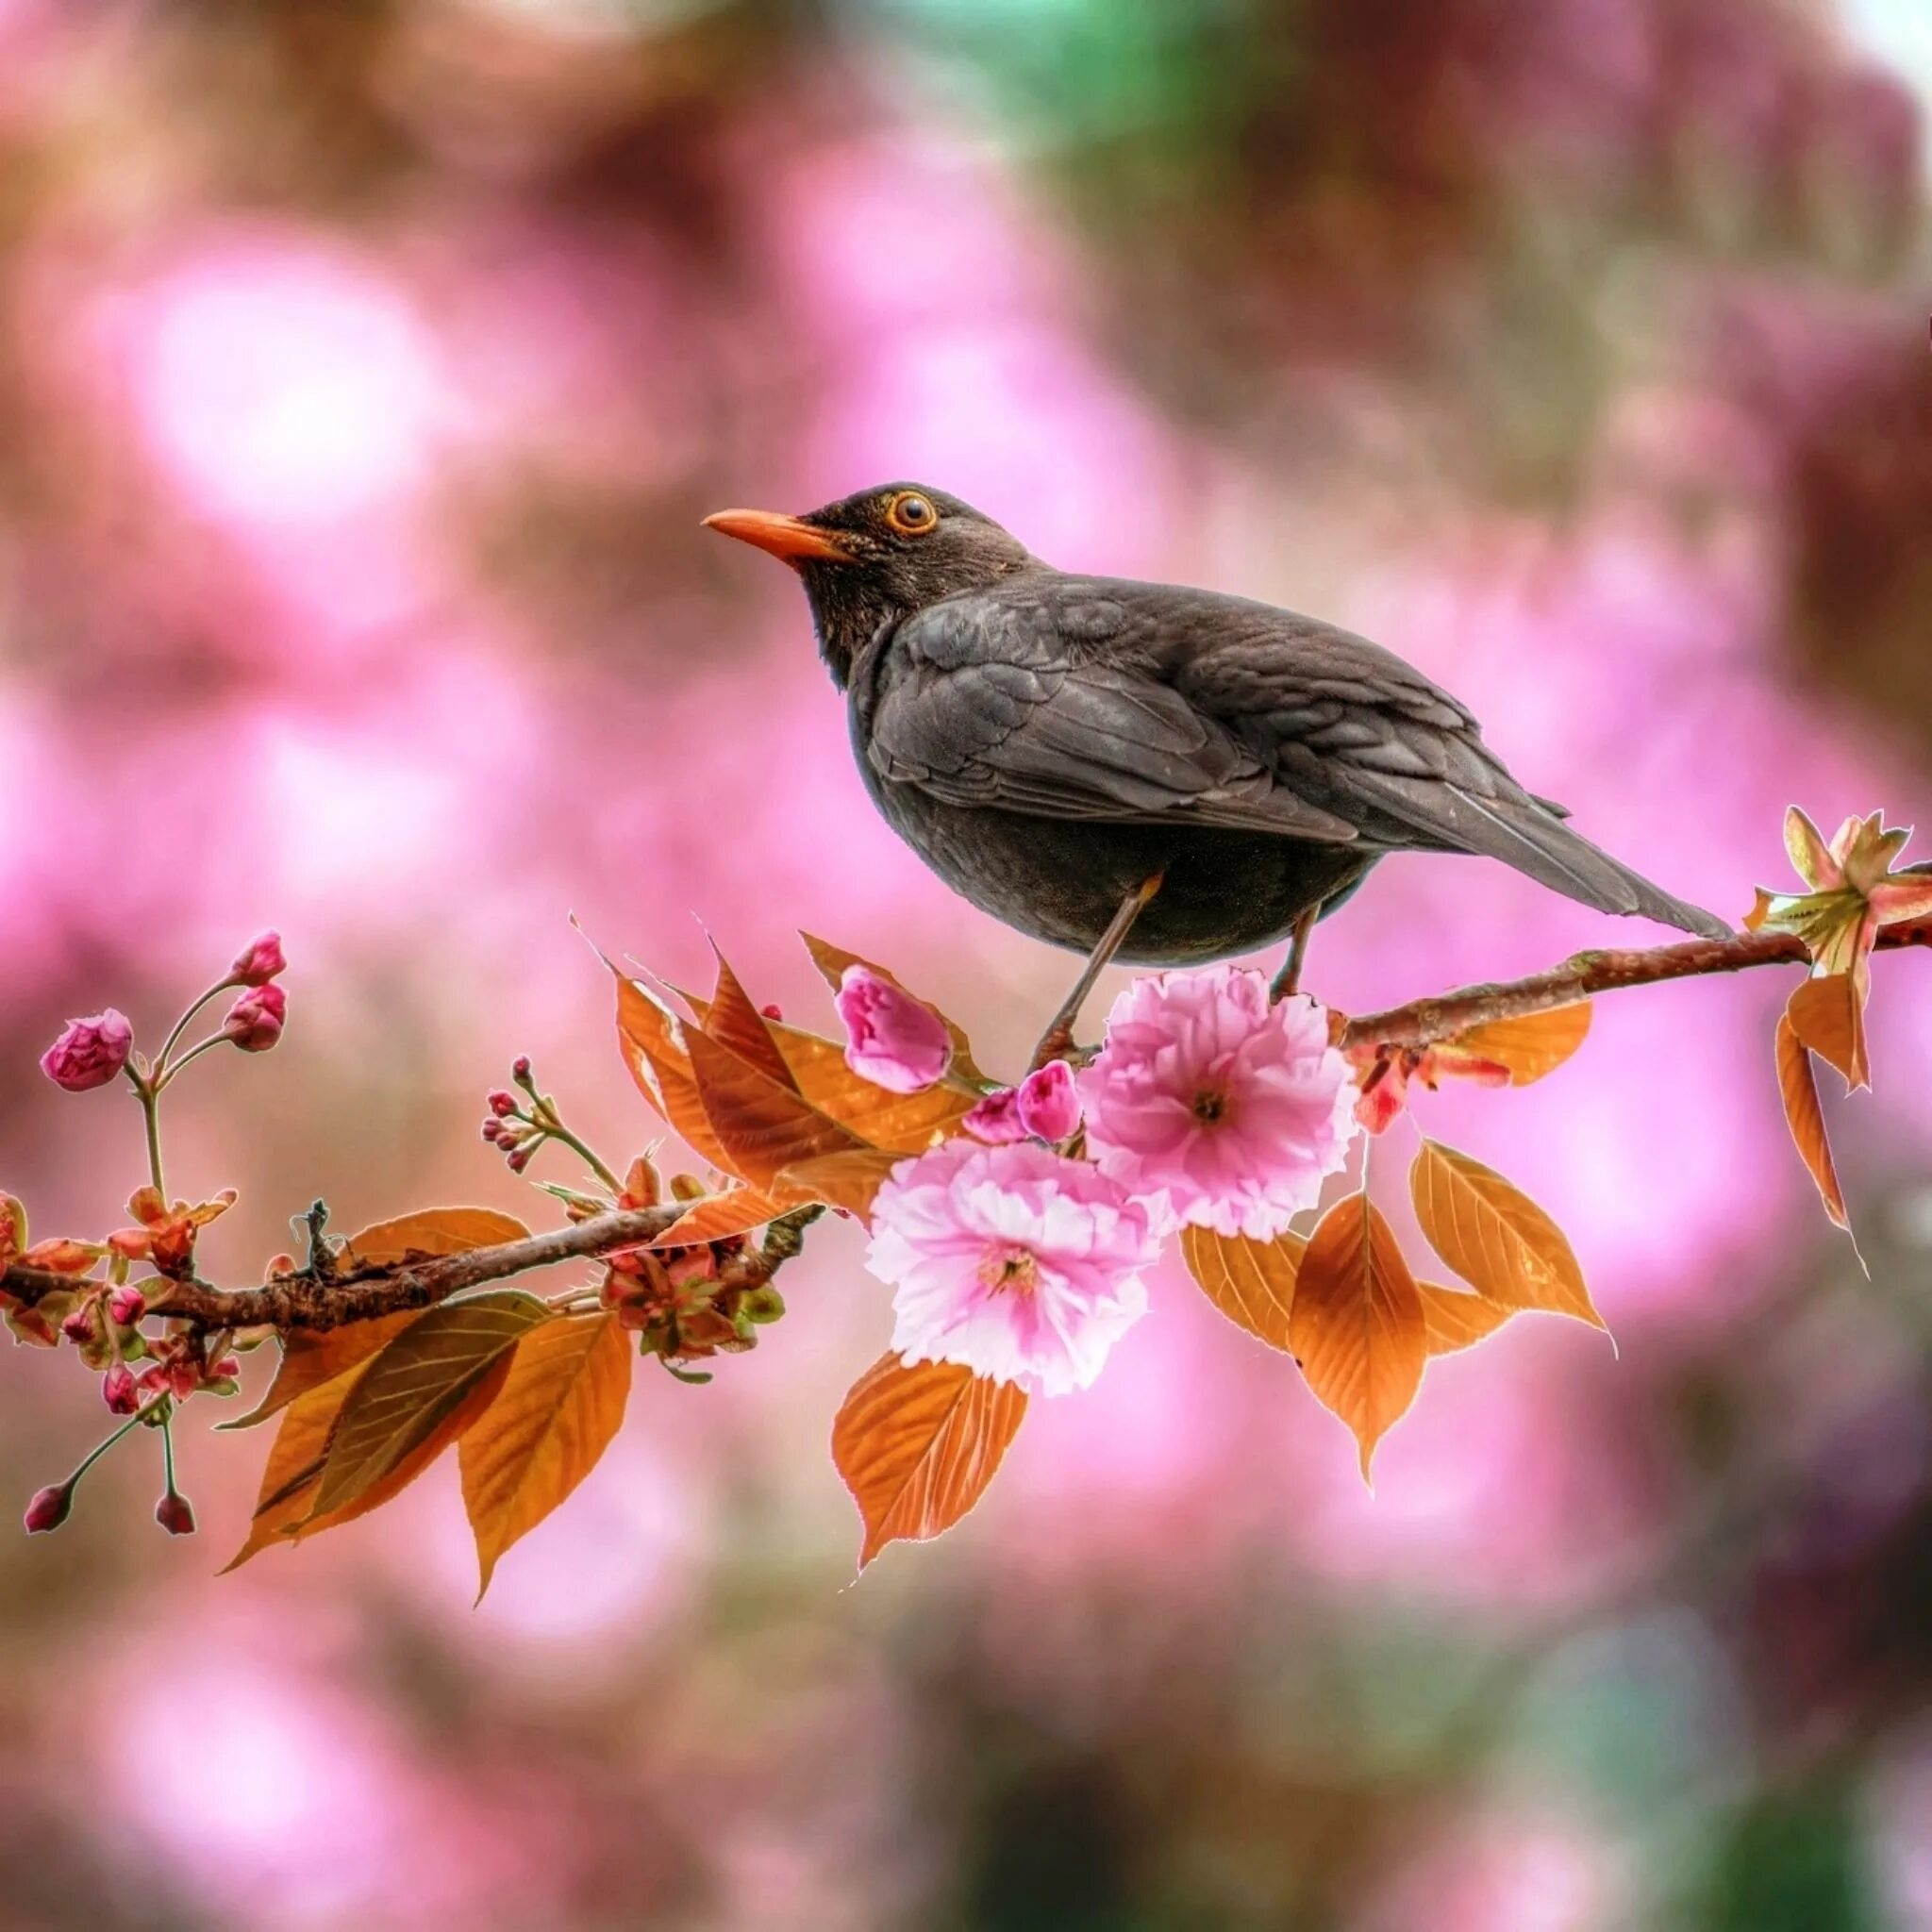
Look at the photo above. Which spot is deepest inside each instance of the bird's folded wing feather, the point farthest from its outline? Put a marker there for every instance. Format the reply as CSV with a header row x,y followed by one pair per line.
x,y
1091,698
996,700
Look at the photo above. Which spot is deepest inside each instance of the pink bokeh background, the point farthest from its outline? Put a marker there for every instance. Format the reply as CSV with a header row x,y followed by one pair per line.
x,y
361,386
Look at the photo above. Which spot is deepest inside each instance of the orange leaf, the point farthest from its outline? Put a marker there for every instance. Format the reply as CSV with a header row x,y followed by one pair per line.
x,y
738,1210
559,1405
761,1126
1457,1318
832,961
406,1393
900,1122
1495,1237
433,1231
1530,1047
310,1360
847,1180
1828,1015
1807,1118
917,1446
1252,1283
286,1513
1357,1326
733,1021
654,1052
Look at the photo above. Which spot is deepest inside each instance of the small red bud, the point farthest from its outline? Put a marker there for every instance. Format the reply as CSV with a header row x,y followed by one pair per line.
x,y
519,1158
255,1022
80,1325
49,1507
520,1067
493,1129
503,1102
772,1011
228,1368
259,961
175,1514
118,1391
127,1305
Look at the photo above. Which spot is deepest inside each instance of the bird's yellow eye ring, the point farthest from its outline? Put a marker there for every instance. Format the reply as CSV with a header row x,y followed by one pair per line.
x,y
911,514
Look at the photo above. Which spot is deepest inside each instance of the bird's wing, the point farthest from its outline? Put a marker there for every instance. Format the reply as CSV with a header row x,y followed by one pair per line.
x,y
1020,698
1089,697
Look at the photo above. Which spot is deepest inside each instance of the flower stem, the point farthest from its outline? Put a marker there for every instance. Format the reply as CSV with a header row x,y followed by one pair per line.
x,y
101,1448
182,1026
193,1053
149,1093
561,1132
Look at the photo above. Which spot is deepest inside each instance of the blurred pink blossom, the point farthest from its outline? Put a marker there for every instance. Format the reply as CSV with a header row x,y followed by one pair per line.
x,y
1020,1263
893,1039
1226,1111
90,1052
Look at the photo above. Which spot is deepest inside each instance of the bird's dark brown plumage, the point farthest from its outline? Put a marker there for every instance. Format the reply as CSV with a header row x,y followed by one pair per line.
x,y
1045,741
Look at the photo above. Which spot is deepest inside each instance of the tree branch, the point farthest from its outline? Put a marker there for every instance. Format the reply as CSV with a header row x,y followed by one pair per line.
x,y
1426,1023
311,1301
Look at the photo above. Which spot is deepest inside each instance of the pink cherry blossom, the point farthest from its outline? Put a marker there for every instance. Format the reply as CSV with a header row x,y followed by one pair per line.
x,y
1015,1261
1043,1104
259,961
254,1022
893,1039
1225,1111
90,1052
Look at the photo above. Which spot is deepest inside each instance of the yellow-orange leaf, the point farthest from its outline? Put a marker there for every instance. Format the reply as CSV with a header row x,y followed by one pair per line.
x,y
846,1181
406,1393
655,1053
1828,1015
310,1360
900,1122
1356,1323
1458,1317
559,1405
738,1210
286,1512
1495,1237
917,1446
832,961
1530,1047
762,1127
735,1023
434,1231
1806,1119
1252,1283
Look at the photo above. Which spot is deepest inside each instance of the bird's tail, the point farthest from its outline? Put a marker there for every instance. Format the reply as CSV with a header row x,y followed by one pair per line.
x,y
1526,837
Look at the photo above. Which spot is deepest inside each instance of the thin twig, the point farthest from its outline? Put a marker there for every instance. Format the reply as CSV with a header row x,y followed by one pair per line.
x,y
1424,1023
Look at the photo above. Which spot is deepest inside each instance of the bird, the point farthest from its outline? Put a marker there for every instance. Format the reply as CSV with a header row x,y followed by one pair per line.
x,y
1145,772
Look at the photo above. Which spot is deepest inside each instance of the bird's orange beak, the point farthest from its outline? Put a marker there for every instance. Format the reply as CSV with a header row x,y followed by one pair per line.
x,y
789,538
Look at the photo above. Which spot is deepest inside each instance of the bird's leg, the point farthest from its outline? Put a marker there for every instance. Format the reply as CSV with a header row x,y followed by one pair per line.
x,y
1287,982
1059,1038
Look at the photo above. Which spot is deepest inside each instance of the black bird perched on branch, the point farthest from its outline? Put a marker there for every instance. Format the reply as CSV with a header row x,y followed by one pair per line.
x,y
1164,775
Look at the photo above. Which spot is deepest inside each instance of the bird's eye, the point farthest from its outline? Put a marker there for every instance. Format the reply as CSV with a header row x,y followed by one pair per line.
x,y
911,514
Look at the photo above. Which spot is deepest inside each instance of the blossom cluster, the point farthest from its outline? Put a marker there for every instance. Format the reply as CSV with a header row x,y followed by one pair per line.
x,y
1019,1247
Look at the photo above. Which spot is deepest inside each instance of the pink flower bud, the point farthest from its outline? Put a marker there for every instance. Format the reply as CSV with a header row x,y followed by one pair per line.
x,y
49,1507
503,1103
254,1022
80,1325
118,1391
175,1514
89,1053
519,1158
1048,1105
228,1368
892,1039
773,1011
520,1067
259,961
126,1306
996,1119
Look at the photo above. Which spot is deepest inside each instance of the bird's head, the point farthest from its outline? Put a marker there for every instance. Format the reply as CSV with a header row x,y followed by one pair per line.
x,y
876,557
